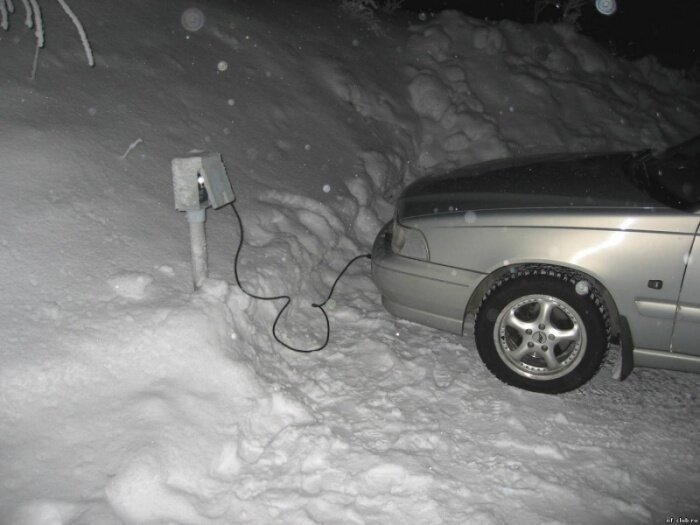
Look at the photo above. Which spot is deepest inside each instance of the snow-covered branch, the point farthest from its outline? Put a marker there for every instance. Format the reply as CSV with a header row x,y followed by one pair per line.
x,y
81,32
570,10
34,19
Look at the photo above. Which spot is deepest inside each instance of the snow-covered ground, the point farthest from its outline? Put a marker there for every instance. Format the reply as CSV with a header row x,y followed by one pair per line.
x,y
126,398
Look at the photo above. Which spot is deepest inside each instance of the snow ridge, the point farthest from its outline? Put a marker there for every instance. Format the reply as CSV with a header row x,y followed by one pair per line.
x,y
127,398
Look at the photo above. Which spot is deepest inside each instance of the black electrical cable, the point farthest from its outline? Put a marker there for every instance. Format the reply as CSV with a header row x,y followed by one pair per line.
x,y
287,298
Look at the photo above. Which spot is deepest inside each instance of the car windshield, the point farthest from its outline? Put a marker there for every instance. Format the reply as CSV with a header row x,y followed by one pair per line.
x,y
671,176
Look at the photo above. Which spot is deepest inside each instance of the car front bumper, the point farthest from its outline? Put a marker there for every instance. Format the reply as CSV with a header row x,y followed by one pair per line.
x,y
427,293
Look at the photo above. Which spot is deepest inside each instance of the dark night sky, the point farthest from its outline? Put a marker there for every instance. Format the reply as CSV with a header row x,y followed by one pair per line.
x,y
667,29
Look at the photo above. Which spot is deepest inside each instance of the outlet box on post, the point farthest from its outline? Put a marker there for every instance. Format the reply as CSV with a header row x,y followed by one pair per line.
x,y
200,181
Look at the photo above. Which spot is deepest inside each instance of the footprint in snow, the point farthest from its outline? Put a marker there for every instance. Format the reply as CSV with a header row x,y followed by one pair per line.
x,y
442,375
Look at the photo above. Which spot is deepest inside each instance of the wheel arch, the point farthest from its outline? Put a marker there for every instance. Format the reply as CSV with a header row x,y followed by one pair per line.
x,y
541,268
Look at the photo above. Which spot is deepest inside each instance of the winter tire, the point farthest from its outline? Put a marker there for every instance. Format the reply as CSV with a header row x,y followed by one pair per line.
x,y
542,330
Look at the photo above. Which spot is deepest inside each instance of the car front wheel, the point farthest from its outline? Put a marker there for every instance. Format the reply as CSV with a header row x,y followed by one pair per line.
x,y
543,330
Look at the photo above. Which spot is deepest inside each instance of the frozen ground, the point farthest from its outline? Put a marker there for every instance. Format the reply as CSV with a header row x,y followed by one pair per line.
x,y
125,398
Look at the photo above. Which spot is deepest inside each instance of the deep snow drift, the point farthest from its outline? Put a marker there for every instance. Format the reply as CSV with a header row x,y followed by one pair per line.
x,y
125,398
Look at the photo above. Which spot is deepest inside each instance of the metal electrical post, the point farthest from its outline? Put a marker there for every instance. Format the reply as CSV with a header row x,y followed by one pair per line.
x,y
200,181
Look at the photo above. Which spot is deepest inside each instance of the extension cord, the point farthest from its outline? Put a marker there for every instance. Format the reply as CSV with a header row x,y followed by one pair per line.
x,y
287,298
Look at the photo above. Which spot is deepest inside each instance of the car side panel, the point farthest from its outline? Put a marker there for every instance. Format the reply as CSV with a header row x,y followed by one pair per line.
x,y
624,261
686,334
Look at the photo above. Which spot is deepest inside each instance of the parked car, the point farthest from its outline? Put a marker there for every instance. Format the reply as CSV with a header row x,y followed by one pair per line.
x,y
553,258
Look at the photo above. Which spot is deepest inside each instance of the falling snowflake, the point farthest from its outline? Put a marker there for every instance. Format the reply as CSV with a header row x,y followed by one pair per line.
x,y
582,287
222,65
192,19
606,7
470,217
326,188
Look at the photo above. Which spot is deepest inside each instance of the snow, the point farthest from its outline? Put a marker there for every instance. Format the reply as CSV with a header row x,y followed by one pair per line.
x,y
125,397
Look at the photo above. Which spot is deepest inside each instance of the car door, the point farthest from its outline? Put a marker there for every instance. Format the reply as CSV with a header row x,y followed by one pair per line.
x,y
686,331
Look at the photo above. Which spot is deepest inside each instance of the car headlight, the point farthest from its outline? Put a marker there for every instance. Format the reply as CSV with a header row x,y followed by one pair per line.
x,y
408,242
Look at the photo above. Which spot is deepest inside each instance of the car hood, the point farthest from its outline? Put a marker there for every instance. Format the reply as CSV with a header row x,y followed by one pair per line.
x,y
553,181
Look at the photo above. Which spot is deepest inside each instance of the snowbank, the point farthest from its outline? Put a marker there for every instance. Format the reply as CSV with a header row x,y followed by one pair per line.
x,y
126,398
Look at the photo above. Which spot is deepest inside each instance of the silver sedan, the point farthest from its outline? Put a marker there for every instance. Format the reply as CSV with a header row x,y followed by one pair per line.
x,y
554,258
